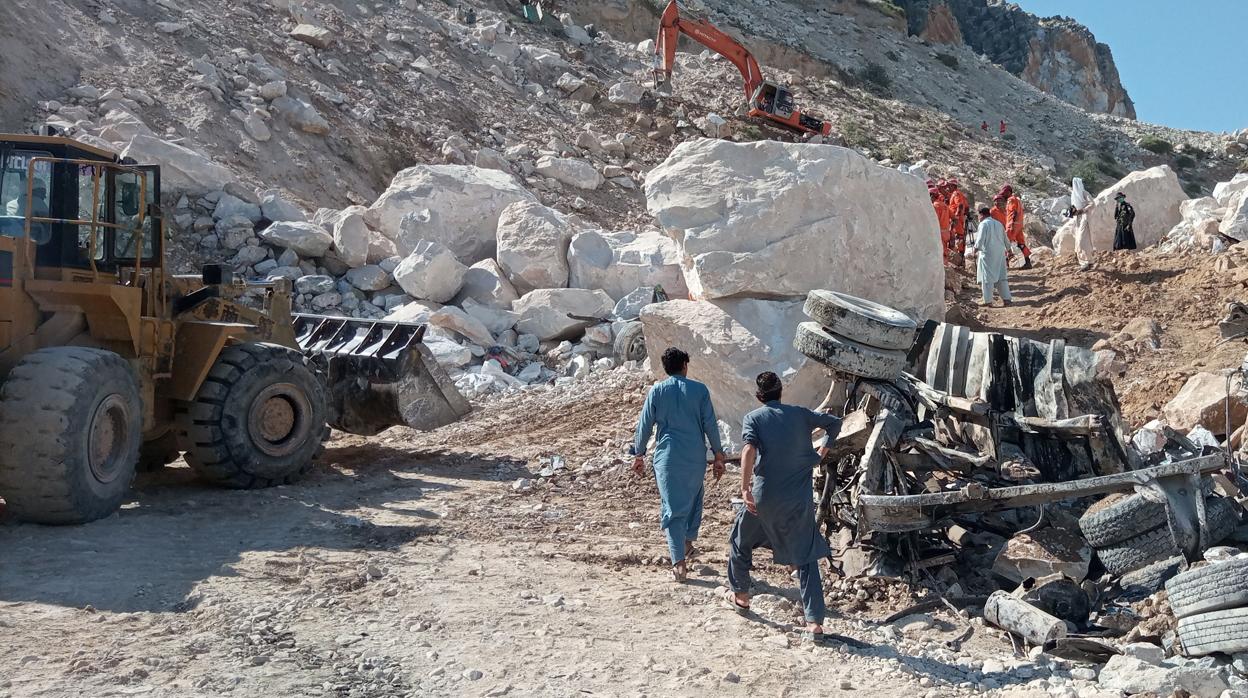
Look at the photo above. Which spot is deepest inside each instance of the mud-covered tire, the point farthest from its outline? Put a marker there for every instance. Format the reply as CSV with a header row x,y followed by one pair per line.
x,y
1149,579
71,422
630,343
1123,518
861,320
1221,516
1223,631
846,355
1214,587
159,452
259,419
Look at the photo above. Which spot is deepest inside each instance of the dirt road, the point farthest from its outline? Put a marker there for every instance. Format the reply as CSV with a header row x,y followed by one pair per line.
x,y
412,566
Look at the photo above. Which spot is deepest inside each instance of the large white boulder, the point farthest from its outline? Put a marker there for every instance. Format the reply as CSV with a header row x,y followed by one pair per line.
x,y
1235,222
772,219
463,204
278,208
573,172
1155,194
1223,191
533,246
729,343
352,237
305,239
486,283
545,312
1197,228
620,262
181,169
431,272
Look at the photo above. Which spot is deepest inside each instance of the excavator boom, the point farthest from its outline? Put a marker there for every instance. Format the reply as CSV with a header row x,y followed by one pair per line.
x,y
764,99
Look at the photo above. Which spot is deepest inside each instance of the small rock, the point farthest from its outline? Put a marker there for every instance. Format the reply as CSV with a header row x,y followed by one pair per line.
x,y
730,677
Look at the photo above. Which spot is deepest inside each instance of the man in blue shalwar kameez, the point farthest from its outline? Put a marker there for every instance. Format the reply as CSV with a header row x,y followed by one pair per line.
x,y
779,501
682,411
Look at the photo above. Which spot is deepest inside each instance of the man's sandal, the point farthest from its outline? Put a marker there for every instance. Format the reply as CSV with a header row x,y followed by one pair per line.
x,y
731,599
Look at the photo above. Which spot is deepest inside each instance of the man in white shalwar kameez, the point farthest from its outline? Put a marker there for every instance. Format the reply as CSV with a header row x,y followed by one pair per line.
x,y
990,247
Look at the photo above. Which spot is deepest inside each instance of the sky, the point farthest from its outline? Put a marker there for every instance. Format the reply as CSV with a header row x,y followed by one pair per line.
x,y
1182,61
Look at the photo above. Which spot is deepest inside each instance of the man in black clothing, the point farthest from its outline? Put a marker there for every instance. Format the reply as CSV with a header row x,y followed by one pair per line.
x,y
1124,233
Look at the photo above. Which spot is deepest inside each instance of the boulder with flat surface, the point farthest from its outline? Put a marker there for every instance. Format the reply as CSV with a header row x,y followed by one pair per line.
x,y
1155,194
305,239
1202,400
774,220
455,205
619,262
431,272
731,341
486,283
545,312
573,172
352,238
181,169
533,246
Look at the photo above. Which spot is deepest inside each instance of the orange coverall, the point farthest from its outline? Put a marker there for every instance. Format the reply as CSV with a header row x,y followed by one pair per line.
x,y
959,208
942,217
1014,224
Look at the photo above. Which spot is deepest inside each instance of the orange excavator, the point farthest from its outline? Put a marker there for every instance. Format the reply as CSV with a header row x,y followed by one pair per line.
x,y
764,99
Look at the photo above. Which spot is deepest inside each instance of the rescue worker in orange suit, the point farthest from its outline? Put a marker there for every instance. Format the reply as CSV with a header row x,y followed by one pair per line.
x,y
942,218
1014,223
959,209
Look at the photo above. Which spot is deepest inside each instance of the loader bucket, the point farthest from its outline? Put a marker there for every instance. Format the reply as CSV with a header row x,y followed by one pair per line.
x,y
379,374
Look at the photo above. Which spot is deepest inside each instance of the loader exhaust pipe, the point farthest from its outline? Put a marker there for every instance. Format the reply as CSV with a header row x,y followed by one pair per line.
x,y
378,374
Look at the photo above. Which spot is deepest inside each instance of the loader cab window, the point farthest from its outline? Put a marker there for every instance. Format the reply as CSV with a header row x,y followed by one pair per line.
x,y
132,194
19,194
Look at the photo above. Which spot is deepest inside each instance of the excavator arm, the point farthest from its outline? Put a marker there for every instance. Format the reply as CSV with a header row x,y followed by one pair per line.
x,y
764,99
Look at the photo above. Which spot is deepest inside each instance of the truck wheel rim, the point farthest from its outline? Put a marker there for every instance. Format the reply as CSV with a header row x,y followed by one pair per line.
x,y
278,419
107,438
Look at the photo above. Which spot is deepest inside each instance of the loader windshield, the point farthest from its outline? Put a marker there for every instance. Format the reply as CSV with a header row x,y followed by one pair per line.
x,y
19,194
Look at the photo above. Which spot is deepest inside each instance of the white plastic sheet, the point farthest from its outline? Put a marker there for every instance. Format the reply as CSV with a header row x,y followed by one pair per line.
x,y
1079,197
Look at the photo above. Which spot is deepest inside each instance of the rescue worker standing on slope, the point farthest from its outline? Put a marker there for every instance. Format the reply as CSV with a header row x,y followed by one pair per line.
x,y
942,218
1014,223
959,209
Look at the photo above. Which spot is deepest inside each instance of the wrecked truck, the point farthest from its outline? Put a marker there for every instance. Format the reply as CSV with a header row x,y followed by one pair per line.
x,y
949,431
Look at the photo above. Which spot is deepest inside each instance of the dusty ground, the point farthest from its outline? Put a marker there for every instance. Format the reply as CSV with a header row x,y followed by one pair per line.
x,y
407,567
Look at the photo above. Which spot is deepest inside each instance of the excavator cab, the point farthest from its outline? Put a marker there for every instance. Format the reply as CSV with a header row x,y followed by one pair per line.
x,y
773,99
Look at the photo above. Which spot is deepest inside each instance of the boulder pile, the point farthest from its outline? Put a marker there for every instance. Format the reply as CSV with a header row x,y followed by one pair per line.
x,y
1212,223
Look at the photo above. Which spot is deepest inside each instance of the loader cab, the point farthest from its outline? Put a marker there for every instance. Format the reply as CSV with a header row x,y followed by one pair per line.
x,y
82,207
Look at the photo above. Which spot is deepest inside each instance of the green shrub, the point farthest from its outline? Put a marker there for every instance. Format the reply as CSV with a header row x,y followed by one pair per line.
x,y
855,135
940,140
892,56
886,7
1090,172
949,60
1193,190
1010,137
1153,144
897,153
875,78
1184,161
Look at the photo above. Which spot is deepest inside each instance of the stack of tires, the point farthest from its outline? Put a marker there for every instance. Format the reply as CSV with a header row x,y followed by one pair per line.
x,y
855,336
1211,603
1132,532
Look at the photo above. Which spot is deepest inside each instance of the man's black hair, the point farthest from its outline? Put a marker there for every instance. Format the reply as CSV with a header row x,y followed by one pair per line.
x,y
769,387
674,361
985,211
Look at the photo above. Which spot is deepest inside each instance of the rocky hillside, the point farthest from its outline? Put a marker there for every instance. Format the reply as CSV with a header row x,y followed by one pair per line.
x,y
1056,54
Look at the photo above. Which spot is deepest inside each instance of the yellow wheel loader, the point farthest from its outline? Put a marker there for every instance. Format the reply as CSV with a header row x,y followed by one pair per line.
x,y
107,361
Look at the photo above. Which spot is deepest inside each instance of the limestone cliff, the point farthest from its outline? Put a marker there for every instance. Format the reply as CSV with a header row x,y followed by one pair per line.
x,y
1056,54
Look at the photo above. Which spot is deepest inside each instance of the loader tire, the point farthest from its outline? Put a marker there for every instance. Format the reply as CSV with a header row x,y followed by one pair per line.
x,y
846,355
1117,518
1221,514
71,422
1214,587
1223,631
259,419
630,343
861,320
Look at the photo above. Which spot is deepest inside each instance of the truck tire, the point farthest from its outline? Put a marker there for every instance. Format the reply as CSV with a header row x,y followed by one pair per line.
x,y
1149,579
846,355
1214,587
861,320
1122,518
1221,516
1223,631
630,343
71,422
259,419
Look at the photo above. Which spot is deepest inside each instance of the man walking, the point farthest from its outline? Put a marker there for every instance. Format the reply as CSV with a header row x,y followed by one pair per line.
x,y
959,209
1124,231
776,464
682,411
990,267
942,218
1014,223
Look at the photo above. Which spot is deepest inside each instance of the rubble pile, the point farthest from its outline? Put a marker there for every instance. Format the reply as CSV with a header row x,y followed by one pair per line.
x,y
1212,223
